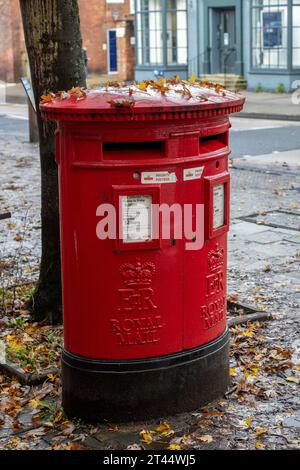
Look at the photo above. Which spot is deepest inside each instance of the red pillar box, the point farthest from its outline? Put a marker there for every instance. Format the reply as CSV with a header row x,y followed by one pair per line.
x,y
145,305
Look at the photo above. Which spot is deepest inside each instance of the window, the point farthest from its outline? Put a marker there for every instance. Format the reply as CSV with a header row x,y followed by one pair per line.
x,y
296,33
149,32
161,32
270,34
176,32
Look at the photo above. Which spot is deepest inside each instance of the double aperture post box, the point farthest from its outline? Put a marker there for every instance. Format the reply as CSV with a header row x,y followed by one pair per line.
x,y
144,311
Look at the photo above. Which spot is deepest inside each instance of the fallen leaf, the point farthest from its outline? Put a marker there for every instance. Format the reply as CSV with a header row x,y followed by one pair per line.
x,y
46,98
122,103
233,297
206,438
143,86
193,79
68,430
260,431
292,379
34,403
146,437
174,447
248,333
267,269
249,421
163,428
52,377
259,445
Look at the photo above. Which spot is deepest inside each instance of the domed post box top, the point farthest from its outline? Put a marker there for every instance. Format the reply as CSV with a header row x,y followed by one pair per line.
x,y
147,100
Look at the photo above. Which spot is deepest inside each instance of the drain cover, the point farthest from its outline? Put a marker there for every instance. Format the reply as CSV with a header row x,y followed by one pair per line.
x,y
289,220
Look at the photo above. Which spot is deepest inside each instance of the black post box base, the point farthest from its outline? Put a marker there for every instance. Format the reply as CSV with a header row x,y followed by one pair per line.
x,y
140,389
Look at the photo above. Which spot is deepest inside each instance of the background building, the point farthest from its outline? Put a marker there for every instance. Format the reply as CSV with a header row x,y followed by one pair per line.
x,y
240,42
13,58
161,37
237,41
107,28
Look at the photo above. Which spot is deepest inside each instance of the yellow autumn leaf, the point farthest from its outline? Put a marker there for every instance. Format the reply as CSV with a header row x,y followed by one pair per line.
x,y
18,238
46,98
146,437
193,79
248,333
232,372
58,417
254,371
51,377
206,438
34,403
292,379
14,343
163,427
260,431
174,447
142,86
249,421
259,445
161,81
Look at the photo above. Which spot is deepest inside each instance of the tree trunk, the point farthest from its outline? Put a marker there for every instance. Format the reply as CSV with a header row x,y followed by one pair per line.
x,y
54,46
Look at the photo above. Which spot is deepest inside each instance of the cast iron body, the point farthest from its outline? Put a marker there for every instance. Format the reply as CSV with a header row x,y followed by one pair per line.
x,y
144,322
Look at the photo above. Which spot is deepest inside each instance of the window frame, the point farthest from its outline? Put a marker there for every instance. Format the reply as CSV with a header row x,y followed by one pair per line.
x,y
295,68
140,49
272,70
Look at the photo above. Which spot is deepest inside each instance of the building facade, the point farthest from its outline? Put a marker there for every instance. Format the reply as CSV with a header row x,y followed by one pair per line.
x,y
161,37
107,28
13,59
254,42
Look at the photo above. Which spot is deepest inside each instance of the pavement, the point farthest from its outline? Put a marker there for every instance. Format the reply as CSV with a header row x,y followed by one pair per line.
x,y
283,106
262,407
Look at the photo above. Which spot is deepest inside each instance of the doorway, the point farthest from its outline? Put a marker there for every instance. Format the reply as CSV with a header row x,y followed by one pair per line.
x,y
223,40
112,54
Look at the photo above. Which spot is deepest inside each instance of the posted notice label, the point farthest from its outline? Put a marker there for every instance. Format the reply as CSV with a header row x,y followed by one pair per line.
x,y
152,177
190,174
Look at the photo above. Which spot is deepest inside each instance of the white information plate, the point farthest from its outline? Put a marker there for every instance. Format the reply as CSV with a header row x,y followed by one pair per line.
x,y
136,218
150,177
219,206
190,174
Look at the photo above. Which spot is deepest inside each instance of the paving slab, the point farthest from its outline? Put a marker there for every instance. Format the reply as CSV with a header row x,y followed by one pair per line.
x,y
288,161
270,106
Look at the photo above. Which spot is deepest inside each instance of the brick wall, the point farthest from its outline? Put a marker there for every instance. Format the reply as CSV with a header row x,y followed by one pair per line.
x,y
96,18
12,47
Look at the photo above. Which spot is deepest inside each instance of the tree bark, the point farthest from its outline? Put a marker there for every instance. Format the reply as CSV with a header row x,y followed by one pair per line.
x,y
54,46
